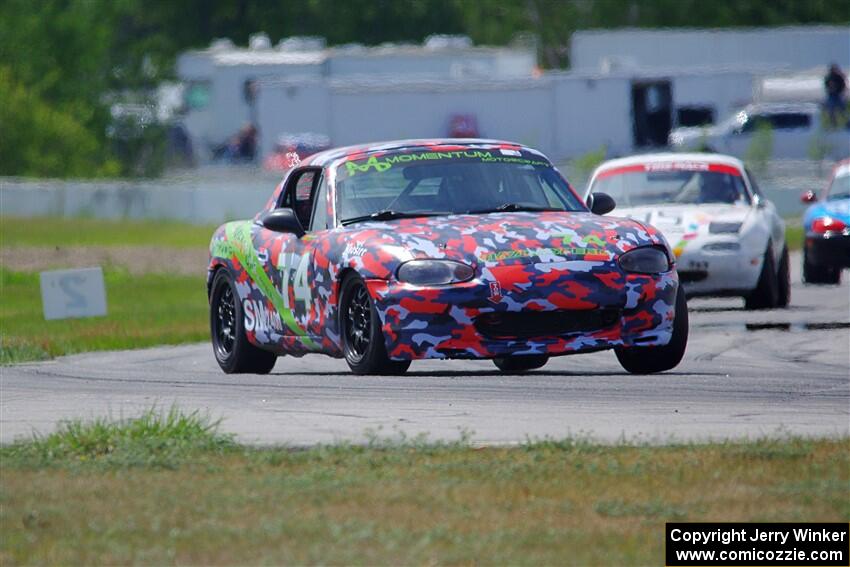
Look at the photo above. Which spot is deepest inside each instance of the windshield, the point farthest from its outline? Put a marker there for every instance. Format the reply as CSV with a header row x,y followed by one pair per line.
x,y
424,183
672,184
840,188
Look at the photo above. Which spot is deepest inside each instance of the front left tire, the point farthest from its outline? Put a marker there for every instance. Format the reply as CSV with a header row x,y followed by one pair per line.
x,y
360,331
233,352
652,359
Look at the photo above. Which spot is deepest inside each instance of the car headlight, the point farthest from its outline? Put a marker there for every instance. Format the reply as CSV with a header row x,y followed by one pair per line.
x,y
645,260
434,272
724,227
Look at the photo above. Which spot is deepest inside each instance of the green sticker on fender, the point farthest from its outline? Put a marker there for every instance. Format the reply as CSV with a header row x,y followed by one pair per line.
x,y
239,244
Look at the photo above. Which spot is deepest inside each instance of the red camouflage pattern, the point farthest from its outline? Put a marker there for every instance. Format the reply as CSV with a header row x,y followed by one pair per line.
x,y
558,285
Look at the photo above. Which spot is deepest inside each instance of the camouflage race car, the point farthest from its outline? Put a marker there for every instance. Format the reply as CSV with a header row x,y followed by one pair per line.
x,y
386,253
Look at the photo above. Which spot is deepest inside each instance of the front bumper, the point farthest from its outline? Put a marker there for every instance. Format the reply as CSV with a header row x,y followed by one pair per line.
x,y
830,249
594,311
719,272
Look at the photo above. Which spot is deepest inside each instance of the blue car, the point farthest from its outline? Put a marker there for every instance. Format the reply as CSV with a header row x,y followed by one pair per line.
x,y
827,226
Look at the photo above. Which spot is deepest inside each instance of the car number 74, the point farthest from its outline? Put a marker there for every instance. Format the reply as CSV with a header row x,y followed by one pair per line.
x,y
293,267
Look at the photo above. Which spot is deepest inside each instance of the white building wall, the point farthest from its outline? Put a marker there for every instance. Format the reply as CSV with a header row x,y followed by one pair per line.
x,y
351,113
292,107
227,69
518,112
794,47
564,115
227,98
725,92
486,63
591,113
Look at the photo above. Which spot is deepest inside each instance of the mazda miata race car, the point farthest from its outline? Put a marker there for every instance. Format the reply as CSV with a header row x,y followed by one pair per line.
x,y
727,237
827,226
386,253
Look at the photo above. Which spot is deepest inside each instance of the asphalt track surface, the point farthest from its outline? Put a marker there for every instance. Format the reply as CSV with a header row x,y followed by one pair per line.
x,y
745,374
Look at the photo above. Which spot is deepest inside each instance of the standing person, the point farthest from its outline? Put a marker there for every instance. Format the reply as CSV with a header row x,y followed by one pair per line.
x,y
835,84
246,145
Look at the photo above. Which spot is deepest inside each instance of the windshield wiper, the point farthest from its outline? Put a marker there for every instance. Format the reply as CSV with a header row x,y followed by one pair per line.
x,y
387,214
513,207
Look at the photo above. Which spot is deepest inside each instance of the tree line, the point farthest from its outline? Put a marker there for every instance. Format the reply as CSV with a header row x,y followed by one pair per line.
x,y
61,60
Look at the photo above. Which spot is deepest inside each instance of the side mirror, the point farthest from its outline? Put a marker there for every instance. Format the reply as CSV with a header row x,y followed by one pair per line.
x,y
600,203
283,220
808,197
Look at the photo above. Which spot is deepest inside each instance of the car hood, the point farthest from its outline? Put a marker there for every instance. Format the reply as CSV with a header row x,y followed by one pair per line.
x,y
497,239
682,223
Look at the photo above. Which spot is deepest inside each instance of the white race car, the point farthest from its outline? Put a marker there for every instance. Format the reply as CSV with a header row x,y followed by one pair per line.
x,y
727,236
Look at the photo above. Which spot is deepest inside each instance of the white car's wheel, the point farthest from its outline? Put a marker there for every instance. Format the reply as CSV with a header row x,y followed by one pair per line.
x,y
784,280
766,293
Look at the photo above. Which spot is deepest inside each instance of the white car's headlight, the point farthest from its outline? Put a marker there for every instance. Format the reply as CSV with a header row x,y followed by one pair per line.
x,y
724,227
645,260
434,272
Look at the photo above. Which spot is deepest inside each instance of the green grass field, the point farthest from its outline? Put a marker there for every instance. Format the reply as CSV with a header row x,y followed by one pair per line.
x,y
143,310
794,235
147,310
52,231
168,488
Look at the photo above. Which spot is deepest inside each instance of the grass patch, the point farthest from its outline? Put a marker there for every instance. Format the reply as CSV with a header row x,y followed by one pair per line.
x,y
143,310
794,236
58,231
156,438
170,489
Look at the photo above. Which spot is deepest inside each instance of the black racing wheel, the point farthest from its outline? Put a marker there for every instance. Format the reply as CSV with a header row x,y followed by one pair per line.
x,y
766,293
360,330
784,280
233,352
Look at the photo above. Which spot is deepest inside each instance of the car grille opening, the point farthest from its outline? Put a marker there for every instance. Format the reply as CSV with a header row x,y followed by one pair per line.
x,y
525,324
692,276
